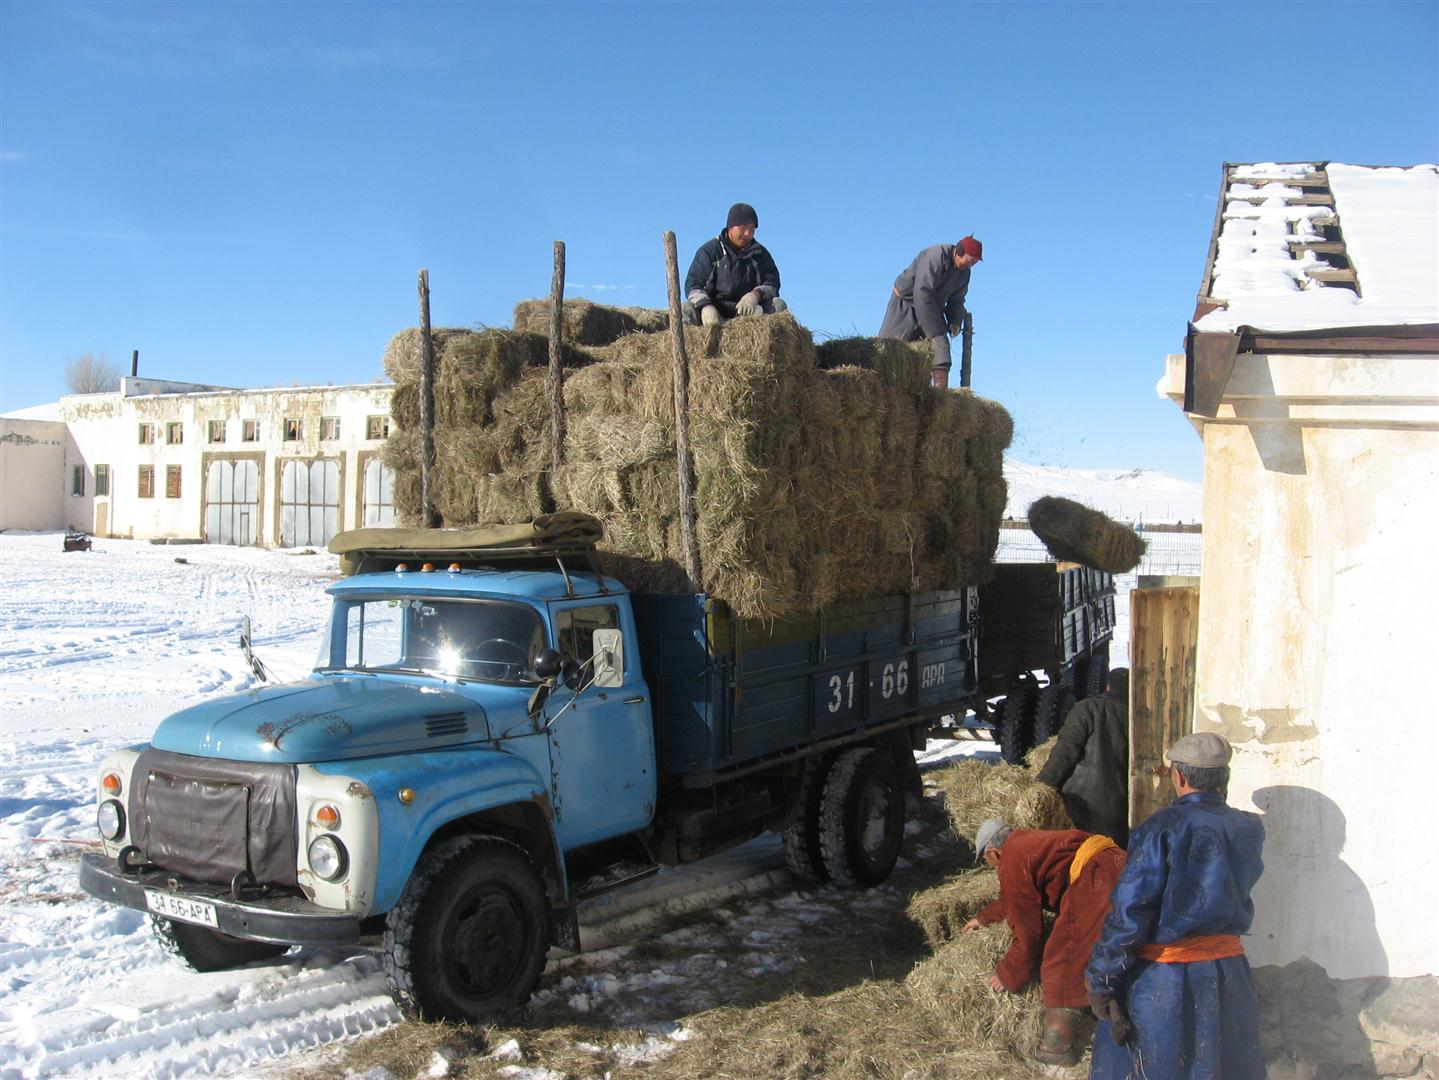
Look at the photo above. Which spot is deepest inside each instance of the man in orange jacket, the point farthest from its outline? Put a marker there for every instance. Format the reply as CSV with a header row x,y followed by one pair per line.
x,y
1067,872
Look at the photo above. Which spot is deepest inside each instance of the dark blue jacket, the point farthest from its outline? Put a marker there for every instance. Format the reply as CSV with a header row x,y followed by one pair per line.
x,y
721,271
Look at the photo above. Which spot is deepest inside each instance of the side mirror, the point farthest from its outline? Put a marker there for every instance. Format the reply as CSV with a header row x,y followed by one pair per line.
x,y
609,658
573,674
547,663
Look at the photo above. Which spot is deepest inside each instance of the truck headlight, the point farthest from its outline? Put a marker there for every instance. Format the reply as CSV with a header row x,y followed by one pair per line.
x,y
110,819
328,858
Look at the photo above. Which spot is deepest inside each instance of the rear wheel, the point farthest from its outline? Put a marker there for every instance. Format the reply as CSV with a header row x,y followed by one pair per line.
x,y
467,941
1016,722
801,839
1096,672
201,949
1055,701
861,825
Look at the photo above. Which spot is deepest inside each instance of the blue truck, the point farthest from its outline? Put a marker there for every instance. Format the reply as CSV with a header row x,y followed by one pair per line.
x,y
492,733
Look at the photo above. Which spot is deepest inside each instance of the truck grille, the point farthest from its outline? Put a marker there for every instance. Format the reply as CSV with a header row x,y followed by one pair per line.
x,y
209,820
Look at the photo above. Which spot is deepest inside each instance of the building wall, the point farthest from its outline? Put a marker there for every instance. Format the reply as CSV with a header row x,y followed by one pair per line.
x,y
1318,626
33,481
104,429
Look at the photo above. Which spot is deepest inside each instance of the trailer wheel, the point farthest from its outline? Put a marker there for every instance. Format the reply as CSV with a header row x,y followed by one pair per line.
x,y
1055,701
1016,722
201,949
862,817
1096,672
801,838
467,940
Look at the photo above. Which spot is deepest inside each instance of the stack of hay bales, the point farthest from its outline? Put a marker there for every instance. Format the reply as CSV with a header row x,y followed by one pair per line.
x,y
821,474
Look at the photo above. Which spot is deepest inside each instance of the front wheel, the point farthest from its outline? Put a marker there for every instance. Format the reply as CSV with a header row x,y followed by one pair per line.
x,y
467,940
201,949
861,824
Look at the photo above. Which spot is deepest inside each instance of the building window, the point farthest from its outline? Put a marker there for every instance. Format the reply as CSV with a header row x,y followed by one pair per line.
x,y
217,431
147,434
172,481
102,479
147,481
174,433
250,431
377,427
294,429
329,428
77,480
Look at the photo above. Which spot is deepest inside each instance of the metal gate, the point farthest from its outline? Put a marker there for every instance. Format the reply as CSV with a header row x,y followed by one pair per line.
x,y
232,502
309,502
379,494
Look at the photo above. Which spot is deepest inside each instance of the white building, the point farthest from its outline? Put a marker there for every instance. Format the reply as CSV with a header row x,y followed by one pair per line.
x,y
156,459
1311,373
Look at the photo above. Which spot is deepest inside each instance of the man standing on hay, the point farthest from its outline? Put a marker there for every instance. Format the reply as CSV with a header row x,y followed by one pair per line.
x,y
1168,980
1089,765
733,274
927,300
1068,872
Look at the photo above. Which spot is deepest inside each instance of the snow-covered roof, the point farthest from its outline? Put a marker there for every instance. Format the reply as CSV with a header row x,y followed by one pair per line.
x,y
1314,246
48,411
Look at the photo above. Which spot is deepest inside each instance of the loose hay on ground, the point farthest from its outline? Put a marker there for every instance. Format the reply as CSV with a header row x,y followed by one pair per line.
x,y
1073,532
953,984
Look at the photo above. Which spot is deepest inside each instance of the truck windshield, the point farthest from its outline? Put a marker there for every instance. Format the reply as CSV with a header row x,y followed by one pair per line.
x,y
461,639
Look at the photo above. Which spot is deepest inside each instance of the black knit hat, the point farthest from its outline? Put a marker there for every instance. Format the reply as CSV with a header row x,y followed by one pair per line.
x,y
741,213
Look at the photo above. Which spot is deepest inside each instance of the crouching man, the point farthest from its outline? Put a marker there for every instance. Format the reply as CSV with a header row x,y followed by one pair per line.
x,y
733,274
1168,979
1067,872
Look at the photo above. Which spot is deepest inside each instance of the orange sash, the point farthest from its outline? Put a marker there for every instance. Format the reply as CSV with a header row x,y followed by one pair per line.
x,y
1188,950
1088,850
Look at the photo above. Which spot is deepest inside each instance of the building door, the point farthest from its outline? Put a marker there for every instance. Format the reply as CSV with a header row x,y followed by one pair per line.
x,y
102,518
309,502
232,502
379,494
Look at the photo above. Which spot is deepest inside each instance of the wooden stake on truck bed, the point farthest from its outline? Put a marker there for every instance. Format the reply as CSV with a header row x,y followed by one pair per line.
x,y
428,518
688,539
557,375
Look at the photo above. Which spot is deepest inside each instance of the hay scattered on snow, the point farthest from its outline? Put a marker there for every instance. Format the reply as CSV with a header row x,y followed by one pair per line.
x,y
1074,533
812,485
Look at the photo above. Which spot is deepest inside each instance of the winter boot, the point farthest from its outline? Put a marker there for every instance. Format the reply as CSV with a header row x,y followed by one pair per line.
x,y
1056,1045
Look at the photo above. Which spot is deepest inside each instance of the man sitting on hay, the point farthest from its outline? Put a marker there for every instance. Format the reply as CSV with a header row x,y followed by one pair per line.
x,y
1068,872
733,274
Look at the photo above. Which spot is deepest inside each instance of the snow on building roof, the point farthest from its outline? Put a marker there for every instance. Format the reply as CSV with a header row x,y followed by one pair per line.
x,y
48,411
1315,246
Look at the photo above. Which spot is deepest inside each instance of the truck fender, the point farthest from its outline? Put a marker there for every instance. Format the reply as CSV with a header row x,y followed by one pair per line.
x,y
452,793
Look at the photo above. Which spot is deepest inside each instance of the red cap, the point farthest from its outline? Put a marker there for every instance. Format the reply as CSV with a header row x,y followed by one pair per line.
x,y
973,247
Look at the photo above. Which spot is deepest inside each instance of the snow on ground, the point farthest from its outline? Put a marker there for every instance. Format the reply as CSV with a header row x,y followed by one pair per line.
x,y
95,648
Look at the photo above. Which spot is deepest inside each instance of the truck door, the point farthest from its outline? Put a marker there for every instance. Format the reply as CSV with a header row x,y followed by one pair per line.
x,y
602,757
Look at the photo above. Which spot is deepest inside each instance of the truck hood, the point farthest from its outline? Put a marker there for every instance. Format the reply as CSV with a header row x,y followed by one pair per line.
x,y
324,720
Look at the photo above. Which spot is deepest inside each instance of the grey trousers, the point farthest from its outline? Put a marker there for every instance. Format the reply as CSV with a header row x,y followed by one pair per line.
x,y
726,308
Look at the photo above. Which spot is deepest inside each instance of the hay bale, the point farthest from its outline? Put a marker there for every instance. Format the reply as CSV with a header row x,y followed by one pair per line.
x,y
975,791
586,323
942,911
1035,760
953,984
1074,533
1040,807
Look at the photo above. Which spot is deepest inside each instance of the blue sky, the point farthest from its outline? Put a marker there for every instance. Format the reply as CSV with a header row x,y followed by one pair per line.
x,y
244,191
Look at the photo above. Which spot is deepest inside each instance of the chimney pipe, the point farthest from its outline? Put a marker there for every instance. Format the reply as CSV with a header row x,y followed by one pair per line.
x,y
134,363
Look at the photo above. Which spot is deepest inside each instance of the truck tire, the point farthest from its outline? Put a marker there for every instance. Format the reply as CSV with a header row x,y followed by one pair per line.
x,y
1055,701
861,825
467,941
1016,722
802,852
201,949
1096,672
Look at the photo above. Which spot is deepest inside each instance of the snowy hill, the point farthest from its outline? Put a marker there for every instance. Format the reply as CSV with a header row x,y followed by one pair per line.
x,y
1136,495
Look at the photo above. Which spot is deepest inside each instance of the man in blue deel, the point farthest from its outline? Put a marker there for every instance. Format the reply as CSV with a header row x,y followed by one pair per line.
x,y
1168,979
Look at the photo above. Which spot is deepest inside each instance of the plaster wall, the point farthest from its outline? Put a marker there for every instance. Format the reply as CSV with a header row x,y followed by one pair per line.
x,y
32,474
105,429
1319,620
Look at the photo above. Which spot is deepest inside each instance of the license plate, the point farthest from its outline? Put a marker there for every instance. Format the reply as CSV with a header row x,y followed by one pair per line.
x,y
182,908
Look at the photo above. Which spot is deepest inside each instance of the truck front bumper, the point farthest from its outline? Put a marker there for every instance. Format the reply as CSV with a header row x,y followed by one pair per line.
x,y
279,920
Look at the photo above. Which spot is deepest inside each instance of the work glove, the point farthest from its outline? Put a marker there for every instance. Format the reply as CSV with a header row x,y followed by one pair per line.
x,y
749,304
939,350
710,316
1105,1007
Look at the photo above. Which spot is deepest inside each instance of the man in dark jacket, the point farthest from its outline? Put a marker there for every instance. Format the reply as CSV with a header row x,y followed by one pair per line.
x,y
927,300
1089,765
733,274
